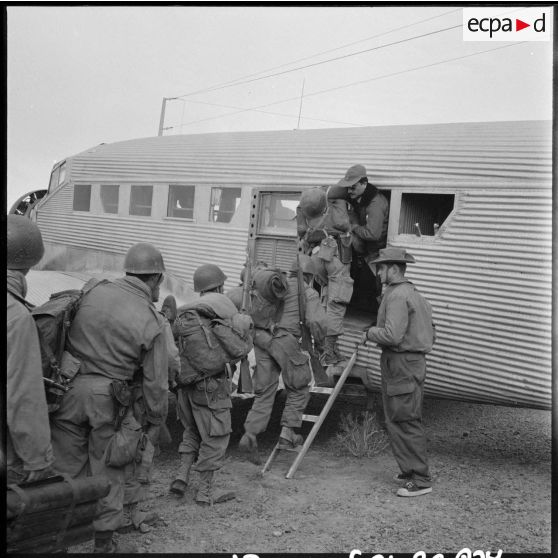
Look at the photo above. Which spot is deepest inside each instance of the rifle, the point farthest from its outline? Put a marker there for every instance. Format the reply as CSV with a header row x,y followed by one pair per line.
x,y
320,377
244,379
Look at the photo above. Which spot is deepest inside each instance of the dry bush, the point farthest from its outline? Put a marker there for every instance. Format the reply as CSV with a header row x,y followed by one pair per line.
x,y
360,435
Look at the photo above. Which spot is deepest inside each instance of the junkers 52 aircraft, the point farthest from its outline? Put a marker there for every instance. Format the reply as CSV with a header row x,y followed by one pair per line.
x,y
471,202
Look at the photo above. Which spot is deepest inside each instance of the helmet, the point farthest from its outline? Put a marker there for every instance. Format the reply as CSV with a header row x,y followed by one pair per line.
x,y
25,243
313,203
143,258
306,264
207,277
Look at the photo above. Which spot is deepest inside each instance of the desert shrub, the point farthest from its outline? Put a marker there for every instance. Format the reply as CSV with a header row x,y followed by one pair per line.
x,y
360,435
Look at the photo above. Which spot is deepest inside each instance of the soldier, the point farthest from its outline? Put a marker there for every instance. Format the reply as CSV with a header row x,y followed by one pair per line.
x,y
117,334
405,332
204,402
28,445
324,229
138,474
275,310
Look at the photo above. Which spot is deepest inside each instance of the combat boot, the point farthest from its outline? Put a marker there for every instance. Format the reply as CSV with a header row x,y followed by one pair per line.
x,y
249,444
207,495
179,484
330,355
105,543
289,439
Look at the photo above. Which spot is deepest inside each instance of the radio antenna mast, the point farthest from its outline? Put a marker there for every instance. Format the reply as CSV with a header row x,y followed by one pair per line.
x,y
300,109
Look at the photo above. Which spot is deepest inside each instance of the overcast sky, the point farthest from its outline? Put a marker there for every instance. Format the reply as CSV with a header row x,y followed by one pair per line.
x,y
80,76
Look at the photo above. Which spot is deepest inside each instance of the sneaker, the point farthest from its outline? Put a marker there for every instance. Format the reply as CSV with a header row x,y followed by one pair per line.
x,y
403,477
411,489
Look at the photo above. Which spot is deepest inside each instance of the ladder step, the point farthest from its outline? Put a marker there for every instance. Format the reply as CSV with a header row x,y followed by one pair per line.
x,y
318,420
316,389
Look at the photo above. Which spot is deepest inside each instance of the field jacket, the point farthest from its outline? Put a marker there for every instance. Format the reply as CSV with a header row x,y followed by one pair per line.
x,y
116,332
404,320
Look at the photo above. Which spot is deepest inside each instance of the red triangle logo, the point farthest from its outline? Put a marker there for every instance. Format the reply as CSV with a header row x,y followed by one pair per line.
x,y
519,25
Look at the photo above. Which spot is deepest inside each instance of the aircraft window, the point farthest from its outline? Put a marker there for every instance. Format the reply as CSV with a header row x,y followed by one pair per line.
x,y
423,214
62,175
109,198
224,203
54,179
181,201
278,213
82,197
141,198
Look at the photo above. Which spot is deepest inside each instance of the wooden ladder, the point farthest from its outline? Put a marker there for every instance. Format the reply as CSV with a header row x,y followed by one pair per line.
x,y
316,419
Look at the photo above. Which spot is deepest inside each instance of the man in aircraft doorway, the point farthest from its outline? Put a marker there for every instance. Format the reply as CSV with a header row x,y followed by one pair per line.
x,y
368,214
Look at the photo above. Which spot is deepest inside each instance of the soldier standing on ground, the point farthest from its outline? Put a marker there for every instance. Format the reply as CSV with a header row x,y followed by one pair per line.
x,y
116,334
324,230
138,475
204,403
28,444
276,315
405,332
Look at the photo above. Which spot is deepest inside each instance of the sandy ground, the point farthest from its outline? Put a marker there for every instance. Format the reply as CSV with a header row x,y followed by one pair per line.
x,y
491,466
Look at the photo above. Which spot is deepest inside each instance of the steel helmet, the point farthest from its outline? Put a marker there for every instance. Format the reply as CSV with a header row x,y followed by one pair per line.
x,y
207,277
143,259
313,203
306,264
25,243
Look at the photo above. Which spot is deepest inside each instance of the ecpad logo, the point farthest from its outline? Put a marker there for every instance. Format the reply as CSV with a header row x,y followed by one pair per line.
x,y
502,23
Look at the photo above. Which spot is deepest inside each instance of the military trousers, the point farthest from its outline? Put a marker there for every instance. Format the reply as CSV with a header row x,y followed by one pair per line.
x,y
337,293
81,430
403,376
266,382
206,429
